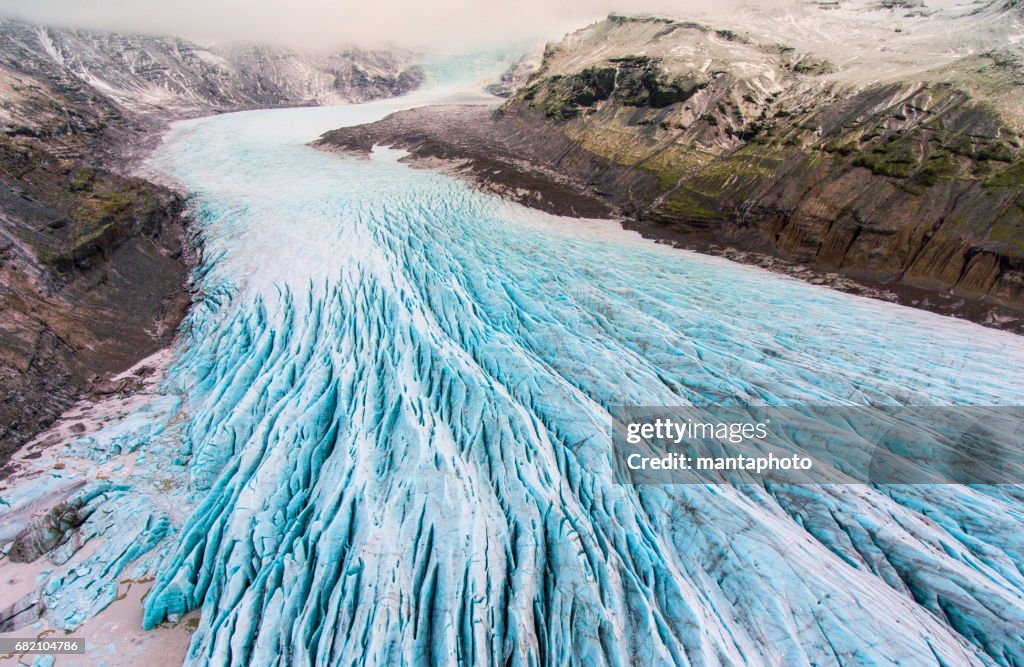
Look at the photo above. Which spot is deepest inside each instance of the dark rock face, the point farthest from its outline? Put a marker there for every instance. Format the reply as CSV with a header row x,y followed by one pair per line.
x,y
93,263
93,270
641,82
636,81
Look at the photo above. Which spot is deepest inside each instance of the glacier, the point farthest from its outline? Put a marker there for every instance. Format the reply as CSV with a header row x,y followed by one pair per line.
x,y
384,439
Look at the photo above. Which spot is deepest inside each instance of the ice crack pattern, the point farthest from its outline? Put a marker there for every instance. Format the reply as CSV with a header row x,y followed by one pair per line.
x,y
387,431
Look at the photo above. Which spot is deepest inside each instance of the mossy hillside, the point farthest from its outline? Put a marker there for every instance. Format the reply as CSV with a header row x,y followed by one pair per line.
x,y
672,166
94,210
724,183
1011,176
1009,231
916,158
631,137
925,156
111,210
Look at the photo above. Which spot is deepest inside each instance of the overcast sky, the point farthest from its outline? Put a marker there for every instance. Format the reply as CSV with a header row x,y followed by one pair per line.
x,y
322,24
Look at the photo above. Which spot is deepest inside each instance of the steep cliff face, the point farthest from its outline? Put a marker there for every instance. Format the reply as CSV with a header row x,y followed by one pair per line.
x,y
92,277
93,263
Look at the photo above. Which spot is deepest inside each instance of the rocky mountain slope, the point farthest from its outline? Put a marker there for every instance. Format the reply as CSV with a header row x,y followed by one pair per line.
x,y
93,263
144,73
881,141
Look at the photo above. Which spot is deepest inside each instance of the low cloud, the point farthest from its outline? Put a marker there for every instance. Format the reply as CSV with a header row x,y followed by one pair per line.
x,y
322,24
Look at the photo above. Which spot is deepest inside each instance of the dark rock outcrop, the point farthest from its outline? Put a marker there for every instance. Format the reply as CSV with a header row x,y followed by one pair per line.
x,y
93,270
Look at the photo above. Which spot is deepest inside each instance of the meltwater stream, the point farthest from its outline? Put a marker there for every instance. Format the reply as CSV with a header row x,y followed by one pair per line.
x,y
384,440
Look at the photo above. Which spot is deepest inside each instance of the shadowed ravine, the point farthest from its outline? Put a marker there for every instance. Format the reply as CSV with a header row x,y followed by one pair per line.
x,y
386,430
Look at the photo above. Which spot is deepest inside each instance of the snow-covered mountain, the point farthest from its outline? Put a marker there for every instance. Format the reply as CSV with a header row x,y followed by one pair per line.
x,y
146,73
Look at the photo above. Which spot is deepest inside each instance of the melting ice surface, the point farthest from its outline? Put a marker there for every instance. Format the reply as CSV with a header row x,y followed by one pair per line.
x,y
386,437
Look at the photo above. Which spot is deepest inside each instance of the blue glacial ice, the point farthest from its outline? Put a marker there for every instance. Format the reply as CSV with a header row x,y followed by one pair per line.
x,y
384,440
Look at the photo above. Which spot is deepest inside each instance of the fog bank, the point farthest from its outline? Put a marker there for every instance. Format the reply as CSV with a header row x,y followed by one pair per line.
x,y
324,24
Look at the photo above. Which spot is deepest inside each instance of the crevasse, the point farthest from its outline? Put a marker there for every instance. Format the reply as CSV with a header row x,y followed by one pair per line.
x,y
388,429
